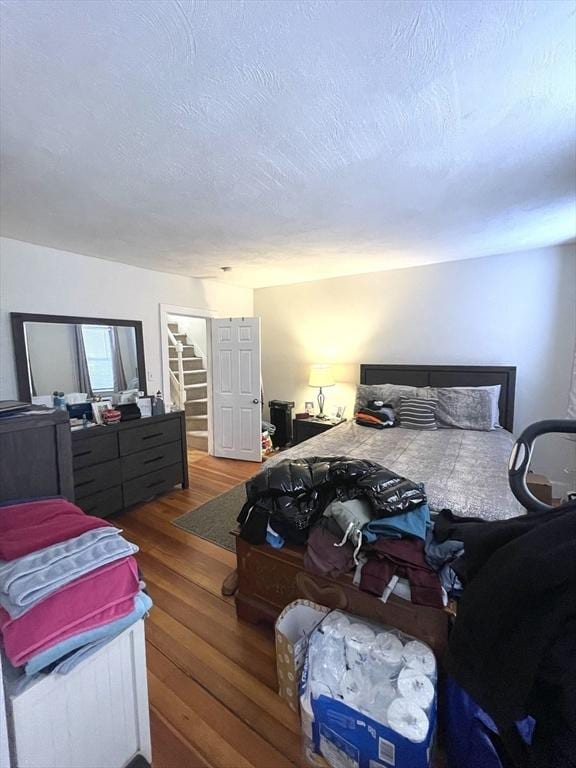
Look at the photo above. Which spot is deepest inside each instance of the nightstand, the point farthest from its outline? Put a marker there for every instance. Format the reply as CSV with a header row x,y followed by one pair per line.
x,y
304,429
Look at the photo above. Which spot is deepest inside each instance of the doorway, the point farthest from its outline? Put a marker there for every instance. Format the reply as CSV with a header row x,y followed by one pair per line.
x,y
186,370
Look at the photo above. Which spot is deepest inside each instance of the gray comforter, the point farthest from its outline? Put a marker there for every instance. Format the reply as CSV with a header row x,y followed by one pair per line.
x,y
463,470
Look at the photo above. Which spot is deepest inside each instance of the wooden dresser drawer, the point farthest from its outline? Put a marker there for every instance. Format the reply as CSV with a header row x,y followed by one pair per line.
x,y
144,462
144,488
103,503
148,436
94,450
96,478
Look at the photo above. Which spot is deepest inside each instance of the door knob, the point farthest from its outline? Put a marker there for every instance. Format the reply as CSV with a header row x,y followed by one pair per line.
x,y
255,401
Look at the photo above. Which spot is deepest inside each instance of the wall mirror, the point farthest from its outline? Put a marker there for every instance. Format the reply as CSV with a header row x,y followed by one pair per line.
x,y
84,355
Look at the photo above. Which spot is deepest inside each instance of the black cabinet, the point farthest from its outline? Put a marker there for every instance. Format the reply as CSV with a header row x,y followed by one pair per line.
x,y
121,464
304,429
35,455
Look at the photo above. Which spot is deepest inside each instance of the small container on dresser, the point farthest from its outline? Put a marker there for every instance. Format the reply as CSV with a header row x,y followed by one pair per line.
x,y
125,463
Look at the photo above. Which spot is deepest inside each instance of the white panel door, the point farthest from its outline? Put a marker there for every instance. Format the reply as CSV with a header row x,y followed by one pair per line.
x,y
237,411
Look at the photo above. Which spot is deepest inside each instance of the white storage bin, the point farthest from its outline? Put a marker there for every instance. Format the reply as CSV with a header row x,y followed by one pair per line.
x,y
96,716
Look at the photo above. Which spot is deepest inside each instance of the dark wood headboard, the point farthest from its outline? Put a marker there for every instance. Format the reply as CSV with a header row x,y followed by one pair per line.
x,y
449,376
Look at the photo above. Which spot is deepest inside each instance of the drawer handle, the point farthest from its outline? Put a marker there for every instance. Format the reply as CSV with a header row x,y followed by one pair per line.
x,y
86,482
156,458
83,453
156,482
149,437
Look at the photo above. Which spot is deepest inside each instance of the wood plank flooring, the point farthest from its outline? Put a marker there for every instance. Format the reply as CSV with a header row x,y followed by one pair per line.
x,y
212,679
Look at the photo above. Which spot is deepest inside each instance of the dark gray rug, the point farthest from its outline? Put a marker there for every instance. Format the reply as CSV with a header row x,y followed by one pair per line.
x,y
215,519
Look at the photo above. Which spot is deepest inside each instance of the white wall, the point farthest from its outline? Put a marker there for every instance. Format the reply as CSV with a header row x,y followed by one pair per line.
x,y
47,281
516,309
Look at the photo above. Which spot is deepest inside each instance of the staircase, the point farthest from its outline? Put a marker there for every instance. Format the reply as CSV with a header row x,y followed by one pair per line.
x,y
188,384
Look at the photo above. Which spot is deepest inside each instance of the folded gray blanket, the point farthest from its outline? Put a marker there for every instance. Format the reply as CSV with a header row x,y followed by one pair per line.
x,y
28,580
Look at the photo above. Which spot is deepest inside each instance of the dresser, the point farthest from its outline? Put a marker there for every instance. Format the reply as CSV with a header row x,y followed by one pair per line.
x,y
121,464
35,455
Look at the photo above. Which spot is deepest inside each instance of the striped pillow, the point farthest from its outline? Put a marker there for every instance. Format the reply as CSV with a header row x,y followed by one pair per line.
x,y
415,413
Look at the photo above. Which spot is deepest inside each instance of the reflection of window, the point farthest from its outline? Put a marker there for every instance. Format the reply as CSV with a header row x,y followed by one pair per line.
x,y
99,356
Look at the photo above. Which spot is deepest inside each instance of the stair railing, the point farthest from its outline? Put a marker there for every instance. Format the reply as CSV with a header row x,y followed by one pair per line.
x,y
178,380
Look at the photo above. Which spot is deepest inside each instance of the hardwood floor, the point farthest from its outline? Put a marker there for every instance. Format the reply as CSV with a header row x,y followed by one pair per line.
x,y
212,679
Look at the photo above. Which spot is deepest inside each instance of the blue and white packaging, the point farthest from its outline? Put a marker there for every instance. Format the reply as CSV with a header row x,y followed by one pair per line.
x,y
368,696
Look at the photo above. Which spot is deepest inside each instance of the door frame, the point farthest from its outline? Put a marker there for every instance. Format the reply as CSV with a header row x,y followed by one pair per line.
x,y
206,314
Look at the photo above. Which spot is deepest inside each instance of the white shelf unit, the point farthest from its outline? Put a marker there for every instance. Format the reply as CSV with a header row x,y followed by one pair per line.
x,y
96,716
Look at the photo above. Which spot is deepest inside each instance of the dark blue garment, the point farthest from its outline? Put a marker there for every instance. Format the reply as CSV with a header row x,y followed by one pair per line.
x,y
470,734
437,554
450,581
412,523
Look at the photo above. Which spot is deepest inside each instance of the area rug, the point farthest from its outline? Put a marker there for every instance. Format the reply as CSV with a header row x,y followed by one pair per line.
x,y
215,519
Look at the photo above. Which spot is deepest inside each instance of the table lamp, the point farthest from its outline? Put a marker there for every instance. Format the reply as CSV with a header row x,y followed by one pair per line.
x,y
321,376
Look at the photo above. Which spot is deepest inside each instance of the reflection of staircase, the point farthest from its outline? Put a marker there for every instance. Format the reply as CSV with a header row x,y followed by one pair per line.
x,y
193,386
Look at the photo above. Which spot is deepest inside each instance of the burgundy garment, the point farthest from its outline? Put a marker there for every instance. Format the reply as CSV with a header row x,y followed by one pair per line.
x,y
322,557
32,525
403,558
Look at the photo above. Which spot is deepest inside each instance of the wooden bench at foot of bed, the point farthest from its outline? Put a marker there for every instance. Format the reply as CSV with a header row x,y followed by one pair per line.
x,y
269,579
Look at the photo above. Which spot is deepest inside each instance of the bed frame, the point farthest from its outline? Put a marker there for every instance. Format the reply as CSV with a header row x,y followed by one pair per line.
x,y
268,579
449,376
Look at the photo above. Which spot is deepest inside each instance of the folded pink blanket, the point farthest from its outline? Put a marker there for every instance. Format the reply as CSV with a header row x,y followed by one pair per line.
x,y
102,596
33,525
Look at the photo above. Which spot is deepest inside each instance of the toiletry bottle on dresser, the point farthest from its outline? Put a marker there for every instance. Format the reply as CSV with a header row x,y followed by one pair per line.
x,y
158,405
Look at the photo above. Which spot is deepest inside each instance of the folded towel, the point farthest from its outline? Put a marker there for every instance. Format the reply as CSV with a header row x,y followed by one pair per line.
x,y
32,525
385,415
26,581
368,417
375,425
140,605
77,607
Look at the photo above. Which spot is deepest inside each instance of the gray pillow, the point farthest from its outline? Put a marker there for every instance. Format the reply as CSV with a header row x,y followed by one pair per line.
x,y
465,408
389,393
494,392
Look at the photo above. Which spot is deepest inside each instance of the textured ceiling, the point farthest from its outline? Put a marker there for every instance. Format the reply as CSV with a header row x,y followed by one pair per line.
x,y
290,140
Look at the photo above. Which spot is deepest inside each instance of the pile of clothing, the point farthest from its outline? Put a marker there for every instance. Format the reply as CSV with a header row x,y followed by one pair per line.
x,y
353,514
68,584
376,414
513,645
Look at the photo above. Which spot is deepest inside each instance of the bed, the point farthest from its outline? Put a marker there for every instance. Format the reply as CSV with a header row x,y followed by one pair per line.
x,y
463,470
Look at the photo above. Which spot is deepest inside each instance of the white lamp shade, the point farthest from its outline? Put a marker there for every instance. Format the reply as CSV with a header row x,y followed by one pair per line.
x,y
321,376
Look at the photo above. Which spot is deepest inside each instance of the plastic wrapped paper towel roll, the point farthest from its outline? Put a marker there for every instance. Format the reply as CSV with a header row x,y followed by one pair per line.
x,y
386,654
419,657
336,622
408,719
358,639
415,687
377,709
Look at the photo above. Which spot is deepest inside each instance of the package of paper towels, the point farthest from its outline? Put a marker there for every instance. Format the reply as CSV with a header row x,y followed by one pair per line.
x,y
369,694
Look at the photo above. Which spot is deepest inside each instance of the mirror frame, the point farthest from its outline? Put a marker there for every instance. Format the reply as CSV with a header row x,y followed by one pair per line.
x,y
18,320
